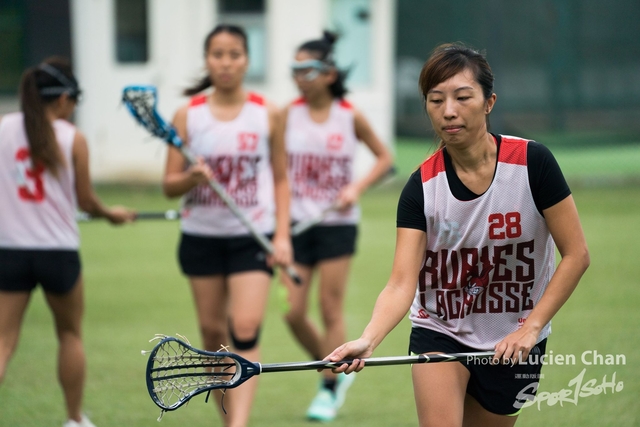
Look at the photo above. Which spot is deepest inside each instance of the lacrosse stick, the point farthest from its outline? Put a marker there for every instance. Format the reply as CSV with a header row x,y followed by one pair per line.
x,y
169,215
303,226
141,102
176,371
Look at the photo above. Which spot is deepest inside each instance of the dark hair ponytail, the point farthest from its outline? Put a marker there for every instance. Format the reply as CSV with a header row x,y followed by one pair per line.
x,y
206,82
39,88
200,85
323,48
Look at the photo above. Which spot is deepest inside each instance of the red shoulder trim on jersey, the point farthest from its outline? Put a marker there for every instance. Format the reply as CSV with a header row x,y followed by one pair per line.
x,y
299,101
346,104
513,150
431,167
198,100
255,98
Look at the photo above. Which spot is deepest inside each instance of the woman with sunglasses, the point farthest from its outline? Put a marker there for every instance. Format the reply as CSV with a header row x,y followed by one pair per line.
x,y
44,173
322,132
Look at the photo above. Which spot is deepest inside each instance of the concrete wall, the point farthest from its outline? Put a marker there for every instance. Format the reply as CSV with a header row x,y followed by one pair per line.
x,y
122,151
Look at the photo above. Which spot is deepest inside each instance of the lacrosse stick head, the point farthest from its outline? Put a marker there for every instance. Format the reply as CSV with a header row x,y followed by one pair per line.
x,y
141,101
176,372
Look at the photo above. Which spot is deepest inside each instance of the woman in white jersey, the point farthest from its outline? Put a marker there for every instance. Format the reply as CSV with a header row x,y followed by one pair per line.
x,y
232,133
474,261
322,133
44,176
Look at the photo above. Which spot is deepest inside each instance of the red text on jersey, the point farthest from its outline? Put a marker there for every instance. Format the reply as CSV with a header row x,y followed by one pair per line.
x,y
504,226
247,141
31,187
478,280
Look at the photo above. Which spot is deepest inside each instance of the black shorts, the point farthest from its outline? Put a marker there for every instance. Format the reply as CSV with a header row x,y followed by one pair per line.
x,y
21,270
498,388
324,242
210,256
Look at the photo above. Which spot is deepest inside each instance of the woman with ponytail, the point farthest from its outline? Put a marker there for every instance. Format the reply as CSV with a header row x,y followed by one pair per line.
x,y
322,132
44,178
233,133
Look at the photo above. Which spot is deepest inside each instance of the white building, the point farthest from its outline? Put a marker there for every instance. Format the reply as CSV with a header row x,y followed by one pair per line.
x,y
160,42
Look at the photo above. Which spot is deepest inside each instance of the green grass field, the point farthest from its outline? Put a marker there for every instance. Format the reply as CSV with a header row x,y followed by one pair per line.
x,y
134,290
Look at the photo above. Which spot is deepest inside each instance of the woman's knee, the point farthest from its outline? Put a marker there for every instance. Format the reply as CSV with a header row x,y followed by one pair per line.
x,y
244,334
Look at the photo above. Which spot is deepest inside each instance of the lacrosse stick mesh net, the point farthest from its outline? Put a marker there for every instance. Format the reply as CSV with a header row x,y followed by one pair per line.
x,y
141,102
178,373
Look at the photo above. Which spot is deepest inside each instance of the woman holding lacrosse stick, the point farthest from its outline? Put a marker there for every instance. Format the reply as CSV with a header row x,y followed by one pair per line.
x,y
44,173
322,133
232,132
478,224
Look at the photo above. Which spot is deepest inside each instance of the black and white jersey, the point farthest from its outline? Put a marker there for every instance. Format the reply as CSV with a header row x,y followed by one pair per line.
x,y
489,257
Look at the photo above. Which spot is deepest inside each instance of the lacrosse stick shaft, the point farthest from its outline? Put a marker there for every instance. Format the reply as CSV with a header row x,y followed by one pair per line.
x,y
176,371
168,215
141,102
378,361
303,226
231,204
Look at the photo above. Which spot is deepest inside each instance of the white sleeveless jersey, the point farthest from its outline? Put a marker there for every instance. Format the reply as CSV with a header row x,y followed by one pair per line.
x,y
321,157
37,210
238,153
488,260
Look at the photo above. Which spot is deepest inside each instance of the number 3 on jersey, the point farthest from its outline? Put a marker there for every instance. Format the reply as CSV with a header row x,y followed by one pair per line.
x,y
34,191
503,226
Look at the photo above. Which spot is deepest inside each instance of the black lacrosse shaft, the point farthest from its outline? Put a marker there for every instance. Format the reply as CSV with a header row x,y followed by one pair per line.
x,y
378,361
168,215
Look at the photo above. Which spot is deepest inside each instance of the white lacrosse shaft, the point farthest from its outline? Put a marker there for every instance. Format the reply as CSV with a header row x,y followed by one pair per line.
x,y
141,102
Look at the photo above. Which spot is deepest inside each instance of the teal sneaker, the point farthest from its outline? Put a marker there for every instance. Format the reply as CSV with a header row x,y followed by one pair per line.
x,y
343,382
323,406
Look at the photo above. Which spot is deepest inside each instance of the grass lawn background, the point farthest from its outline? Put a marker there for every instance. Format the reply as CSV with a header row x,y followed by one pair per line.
x,y
135,290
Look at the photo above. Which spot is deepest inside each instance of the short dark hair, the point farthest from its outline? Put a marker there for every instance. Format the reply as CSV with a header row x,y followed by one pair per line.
x,y
448,60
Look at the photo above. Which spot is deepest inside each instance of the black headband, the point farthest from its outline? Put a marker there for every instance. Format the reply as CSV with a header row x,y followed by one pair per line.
x,y
68,86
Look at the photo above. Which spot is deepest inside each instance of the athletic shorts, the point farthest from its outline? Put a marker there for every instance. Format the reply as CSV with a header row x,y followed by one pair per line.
x,y
498,388
324,242
210,256
21,270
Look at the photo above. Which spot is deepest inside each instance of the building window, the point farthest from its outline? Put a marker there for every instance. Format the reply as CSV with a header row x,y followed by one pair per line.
x,y
12,46
351,20
250,15
132,38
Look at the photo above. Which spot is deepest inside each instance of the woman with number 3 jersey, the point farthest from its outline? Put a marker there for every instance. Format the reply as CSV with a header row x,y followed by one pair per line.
x,y
478,224
44,176
232,132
